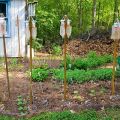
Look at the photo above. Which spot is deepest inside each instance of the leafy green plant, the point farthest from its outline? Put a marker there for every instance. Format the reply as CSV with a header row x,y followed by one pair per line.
x,y
81,76
67,115
103,90
92,92
36,45
39,74
69,63
56,50
14,61
92,60
21,103
3,117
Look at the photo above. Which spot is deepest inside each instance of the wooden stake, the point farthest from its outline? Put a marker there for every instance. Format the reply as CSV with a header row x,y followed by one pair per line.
x,y
19,51
26,14
30,28
114,66
65,65
5,55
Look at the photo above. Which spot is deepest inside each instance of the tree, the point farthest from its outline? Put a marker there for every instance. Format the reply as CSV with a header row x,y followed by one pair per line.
x,y
94,14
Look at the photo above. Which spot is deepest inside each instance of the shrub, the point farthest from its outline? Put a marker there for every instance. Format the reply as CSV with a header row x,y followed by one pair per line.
x,y
39,74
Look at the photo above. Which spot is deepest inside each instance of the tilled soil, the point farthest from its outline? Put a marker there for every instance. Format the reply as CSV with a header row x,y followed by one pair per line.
x,y
48,95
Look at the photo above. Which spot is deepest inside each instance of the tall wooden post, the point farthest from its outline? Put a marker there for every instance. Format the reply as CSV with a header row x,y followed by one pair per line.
x,y
18,25
114,65
65,65
30,28
26,15
6,64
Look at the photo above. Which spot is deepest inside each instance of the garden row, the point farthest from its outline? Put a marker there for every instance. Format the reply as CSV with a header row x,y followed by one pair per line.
x,y
79,70
79,76
90,61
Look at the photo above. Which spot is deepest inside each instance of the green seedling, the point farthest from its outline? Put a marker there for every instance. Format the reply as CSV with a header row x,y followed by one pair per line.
x,y
21,103
102,90
92,92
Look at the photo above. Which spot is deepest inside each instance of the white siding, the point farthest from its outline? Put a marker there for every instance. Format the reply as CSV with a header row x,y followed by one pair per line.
x,y
17,8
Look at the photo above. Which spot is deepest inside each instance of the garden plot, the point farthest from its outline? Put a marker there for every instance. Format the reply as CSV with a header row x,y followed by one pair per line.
x,y
82,92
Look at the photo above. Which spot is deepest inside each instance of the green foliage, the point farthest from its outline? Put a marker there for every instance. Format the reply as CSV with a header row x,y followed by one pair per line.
x,y
81,76
6,117
14,61
92,60
108,114
21,103
69,63
56,50
37,46
67,115
49,14
47,24
39,74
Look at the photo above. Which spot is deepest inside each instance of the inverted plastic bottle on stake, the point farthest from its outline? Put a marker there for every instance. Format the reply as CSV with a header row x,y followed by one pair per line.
x,y
116,31
34,30
62,28
2,26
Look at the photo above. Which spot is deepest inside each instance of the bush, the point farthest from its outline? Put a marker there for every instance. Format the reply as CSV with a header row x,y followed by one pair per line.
x,y
39,75
56,50
81,76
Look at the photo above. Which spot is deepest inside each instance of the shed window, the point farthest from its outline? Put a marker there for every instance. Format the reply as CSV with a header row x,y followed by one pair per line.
x,y
4,6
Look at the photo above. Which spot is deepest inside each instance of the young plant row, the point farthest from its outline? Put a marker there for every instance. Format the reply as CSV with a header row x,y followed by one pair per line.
x,y
81,76
76,75
91,61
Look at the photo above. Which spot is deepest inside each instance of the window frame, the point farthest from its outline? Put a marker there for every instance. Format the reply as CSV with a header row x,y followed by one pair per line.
x,y
7,2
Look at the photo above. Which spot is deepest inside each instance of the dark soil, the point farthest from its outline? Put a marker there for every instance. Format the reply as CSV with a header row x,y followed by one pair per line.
x,y
48,95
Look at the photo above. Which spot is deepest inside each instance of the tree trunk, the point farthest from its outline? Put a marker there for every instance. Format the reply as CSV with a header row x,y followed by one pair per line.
x,y
115,10
94,14
99,15
79,7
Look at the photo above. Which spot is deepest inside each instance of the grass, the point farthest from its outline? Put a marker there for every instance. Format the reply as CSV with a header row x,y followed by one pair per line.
x,y
2,117
108,114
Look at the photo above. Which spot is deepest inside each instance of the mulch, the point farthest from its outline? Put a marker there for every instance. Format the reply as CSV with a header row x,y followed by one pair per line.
x,y
81,48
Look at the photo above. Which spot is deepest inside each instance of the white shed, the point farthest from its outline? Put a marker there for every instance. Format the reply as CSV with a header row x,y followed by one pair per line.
x,y
11,9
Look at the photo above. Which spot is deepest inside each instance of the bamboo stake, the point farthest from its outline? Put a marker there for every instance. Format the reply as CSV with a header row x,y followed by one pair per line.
x,y
30,28
5,55
18,25
114,66
65,66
